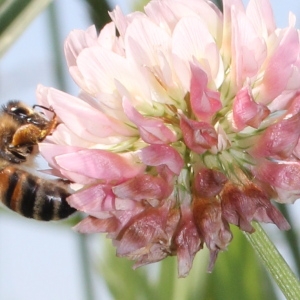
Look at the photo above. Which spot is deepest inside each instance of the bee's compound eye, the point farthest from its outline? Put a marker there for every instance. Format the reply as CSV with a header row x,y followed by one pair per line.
x,y
19,111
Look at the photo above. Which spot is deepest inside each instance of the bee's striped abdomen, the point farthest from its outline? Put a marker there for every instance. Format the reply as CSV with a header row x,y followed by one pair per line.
x,y
34,197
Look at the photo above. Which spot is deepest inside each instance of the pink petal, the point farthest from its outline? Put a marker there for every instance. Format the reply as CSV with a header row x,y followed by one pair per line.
x,y
143,187
62,135
279,139
246,112
167,13
142,40
205,103
107,37
191,41
92,123
99,70
261,15
93,199
94,225
283,58
283,177
292,106
248,50
122,21
296,151
100,164
198,136
50,151
156,155
76,41
97,200
152,130
230,7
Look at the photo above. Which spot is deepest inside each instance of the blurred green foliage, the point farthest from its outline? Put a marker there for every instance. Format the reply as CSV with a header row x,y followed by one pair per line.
x,y
15,16
238,274
98,10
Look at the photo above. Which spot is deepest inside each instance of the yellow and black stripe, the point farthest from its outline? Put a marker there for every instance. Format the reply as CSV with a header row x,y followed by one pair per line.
x,y
34,197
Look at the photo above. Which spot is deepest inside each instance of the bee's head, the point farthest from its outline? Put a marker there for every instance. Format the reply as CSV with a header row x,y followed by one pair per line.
x,y
23,114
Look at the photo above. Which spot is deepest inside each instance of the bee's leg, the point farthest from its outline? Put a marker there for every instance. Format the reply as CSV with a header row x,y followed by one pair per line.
x,y
11,156
7,154
26,135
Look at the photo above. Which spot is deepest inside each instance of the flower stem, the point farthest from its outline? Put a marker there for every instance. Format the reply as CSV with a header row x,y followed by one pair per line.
x,y
277,266
292,238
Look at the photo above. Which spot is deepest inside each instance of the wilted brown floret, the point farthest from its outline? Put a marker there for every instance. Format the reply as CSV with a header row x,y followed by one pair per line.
x,y
243,204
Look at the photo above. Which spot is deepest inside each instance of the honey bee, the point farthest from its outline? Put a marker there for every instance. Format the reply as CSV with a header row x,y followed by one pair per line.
x,y
21,129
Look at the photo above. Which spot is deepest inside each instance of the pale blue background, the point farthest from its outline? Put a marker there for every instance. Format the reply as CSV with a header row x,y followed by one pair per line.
x,y
40,261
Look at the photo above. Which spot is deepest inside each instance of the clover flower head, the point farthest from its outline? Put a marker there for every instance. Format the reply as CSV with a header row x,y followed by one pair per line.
x,y
187,122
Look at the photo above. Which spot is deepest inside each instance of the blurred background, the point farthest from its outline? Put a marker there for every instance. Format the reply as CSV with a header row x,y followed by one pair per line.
x,y
48,260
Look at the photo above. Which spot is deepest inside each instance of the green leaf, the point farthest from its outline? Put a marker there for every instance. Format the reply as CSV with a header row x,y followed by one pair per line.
x,y
15,16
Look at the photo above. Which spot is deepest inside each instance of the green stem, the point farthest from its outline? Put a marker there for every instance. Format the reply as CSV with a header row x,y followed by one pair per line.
x,y
277,266
292,238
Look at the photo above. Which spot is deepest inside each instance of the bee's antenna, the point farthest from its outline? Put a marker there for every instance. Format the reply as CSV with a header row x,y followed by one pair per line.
x,y
44,107
41,106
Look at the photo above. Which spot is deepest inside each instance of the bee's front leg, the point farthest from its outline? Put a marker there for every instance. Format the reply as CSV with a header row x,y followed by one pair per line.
x,y
26,135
